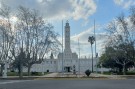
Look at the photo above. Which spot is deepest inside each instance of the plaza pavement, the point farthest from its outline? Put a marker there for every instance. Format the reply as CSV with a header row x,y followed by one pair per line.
x,y
94,75
51,75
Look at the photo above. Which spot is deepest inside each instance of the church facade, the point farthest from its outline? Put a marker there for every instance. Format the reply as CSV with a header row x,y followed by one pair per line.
x,y
66,61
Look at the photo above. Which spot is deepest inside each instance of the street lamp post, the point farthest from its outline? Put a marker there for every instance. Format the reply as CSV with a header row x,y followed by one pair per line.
x,y
91,39
96,62
79,58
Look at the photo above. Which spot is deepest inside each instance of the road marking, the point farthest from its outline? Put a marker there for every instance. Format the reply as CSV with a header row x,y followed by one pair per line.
x,y
14,81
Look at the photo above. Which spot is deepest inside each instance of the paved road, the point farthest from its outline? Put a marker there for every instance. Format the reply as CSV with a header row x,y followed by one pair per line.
x,y
69,84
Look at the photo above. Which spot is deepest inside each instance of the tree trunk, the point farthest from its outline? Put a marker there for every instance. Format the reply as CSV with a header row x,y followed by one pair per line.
x,y
92,57
124,69
1,70
21,71
29,73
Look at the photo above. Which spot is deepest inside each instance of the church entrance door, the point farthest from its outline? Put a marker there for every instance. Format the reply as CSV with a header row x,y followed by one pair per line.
x,y
68,69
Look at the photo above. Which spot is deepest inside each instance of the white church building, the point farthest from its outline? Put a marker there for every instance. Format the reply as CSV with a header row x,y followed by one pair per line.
x,y
66,61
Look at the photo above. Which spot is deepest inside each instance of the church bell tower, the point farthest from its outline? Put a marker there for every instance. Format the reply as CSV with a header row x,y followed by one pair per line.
x,y
67,50
67,37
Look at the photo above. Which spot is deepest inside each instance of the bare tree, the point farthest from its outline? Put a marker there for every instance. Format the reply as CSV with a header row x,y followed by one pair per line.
x,y
28,40
6,35
35,36
132,20
121,41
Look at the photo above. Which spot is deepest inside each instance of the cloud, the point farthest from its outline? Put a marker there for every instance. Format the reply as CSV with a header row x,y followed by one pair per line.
x,y
83,8
58,9
118,2
85,47
125,3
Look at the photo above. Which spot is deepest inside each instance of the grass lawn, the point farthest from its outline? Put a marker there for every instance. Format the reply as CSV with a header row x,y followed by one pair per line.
x,y
26,74
127,73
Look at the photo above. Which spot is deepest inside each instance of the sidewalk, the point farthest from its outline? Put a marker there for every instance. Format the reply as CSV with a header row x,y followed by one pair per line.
x,y
108,76
51,75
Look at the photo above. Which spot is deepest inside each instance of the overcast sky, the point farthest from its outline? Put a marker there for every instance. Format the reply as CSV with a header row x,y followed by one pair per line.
x,y
81,15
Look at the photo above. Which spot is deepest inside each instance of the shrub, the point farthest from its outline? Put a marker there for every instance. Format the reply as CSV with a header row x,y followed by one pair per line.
x,y
47,71
25,74
130,73
12,74
88,72
36,73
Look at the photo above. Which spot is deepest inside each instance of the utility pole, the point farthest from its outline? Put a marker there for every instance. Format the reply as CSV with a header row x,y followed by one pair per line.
x,y
79,56
95,46
62,49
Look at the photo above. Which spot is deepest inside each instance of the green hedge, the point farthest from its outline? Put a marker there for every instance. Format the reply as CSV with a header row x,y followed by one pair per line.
x,y
12,74
130,73
127,73
36,73
25,74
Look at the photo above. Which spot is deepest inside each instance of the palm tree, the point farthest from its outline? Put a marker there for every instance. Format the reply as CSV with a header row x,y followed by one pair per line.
x,y
91,39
